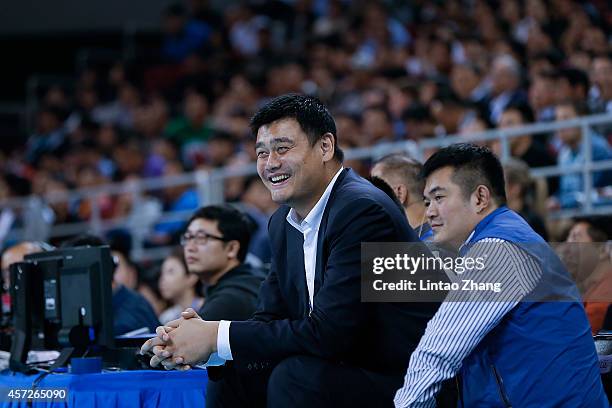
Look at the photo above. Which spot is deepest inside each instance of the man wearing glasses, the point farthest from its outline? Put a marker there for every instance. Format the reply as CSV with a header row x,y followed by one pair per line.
x,y
215,245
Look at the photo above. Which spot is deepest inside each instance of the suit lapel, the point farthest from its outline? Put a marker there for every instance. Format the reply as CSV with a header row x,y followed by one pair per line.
x,y
295,264
322,252
318,281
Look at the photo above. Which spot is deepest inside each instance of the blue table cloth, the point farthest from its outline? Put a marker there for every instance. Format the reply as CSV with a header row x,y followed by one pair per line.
x,y
127,389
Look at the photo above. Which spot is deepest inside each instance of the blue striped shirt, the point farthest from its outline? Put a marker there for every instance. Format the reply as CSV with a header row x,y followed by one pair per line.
x,y
462,322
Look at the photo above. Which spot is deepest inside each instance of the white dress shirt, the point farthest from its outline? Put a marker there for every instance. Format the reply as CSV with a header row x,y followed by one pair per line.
x,y
309,227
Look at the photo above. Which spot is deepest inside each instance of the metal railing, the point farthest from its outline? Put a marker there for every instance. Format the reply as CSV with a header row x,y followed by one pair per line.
x,y
210,187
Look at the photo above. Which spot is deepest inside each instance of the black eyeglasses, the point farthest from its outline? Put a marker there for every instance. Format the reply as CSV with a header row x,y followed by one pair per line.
x,y
200,238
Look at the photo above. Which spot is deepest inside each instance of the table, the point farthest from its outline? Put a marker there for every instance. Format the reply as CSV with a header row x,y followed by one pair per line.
x,y
129,389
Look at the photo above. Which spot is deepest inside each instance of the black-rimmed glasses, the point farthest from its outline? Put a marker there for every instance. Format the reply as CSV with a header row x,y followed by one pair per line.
x,y
200,238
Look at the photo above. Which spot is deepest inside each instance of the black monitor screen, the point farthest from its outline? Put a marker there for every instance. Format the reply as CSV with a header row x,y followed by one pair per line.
x,y
75,284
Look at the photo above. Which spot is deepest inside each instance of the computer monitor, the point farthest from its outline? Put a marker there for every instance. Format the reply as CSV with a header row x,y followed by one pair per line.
x,y
62,299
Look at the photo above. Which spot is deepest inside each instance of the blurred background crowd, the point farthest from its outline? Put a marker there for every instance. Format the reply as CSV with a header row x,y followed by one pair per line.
x,y
389,71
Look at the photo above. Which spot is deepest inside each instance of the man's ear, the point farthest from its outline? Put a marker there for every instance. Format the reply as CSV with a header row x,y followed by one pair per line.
x,y
402,194
481,198
327,146
233,247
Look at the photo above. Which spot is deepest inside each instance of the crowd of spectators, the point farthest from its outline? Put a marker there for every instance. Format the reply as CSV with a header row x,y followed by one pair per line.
x,y
388,70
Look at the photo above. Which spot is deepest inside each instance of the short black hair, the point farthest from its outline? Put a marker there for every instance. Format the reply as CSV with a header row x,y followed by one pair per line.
x,y
450,100
523,109
417,112
575,77
222,136
314,117
474,165
599,227
233,225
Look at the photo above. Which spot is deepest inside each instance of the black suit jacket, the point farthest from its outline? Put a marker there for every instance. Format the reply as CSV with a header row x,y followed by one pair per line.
x,y
374,336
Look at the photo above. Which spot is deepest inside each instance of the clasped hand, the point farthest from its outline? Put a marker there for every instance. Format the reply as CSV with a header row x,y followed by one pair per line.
x,y
183,342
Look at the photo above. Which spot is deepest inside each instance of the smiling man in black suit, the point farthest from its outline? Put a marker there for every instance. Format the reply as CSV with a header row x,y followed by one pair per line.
x,y
312,341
